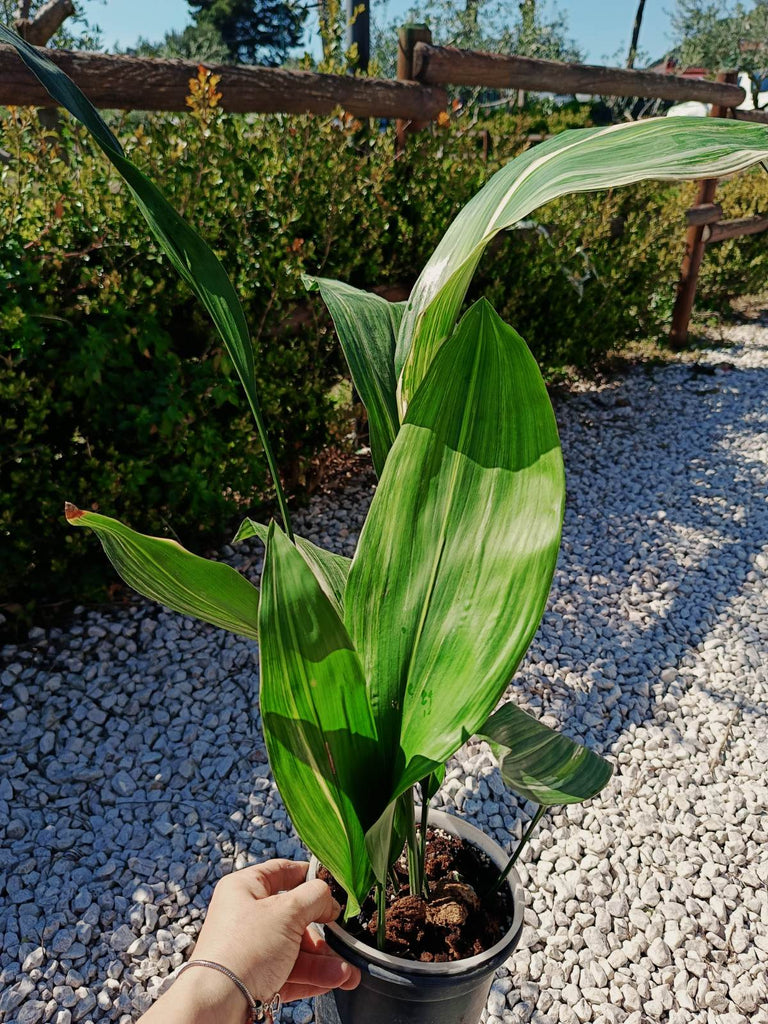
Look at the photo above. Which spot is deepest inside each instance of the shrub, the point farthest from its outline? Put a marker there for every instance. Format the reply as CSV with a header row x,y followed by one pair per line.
x,y
113,384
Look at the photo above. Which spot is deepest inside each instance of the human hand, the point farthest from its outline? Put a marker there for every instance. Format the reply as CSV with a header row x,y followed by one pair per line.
x,y
262,934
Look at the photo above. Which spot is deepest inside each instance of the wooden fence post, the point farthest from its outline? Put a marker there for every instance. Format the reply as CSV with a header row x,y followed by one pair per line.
x,y
407,37
694,246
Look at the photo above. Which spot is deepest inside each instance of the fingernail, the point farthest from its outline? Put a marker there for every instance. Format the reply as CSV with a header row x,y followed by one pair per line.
x,y
345,969
336,908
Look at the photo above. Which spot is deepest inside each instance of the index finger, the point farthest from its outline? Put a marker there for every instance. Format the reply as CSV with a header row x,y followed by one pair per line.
x,y
273,876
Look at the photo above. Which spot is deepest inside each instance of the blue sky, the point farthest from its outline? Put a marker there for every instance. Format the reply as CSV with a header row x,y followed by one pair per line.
x,y
601,29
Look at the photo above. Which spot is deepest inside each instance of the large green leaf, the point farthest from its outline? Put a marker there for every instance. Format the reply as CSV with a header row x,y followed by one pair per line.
x,y
190,255
580,160
540,764
367,327
319,730
455,560
330,570
166,572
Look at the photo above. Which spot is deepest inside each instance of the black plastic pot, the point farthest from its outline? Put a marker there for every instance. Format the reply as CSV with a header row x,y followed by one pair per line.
x,y
397,991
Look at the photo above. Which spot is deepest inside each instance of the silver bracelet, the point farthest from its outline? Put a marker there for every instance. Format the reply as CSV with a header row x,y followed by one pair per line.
x,y
260,1011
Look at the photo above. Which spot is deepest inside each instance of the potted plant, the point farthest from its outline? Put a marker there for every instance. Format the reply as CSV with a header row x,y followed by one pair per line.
x,y
375,670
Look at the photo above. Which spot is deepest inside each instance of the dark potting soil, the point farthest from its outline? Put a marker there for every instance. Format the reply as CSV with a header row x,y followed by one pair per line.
x,y
455,922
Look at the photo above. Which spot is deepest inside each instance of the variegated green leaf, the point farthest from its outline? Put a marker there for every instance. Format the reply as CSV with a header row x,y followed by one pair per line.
x,y
166,572
367,327
581,160
330,570
540,764
320,733
456,558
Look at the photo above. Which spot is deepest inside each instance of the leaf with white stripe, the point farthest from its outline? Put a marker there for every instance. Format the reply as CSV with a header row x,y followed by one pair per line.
x,y
164,571
580,160
456,557
541,764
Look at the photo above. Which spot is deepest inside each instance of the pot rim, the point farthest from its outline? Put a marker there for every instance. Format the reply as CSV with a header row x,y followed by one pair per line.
x,y
461,828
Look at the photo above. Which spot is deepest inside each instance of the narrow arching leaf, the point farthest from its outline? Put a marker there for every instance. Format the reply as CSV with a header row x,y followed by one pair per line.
x,y
319,730
580,160
367,327
330,570
193,258
166,572
456,558
541,764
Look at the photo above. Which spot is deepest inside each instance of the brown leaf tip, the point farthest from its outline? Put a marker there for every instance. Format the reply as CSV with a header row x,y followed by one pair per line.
x,y
72,511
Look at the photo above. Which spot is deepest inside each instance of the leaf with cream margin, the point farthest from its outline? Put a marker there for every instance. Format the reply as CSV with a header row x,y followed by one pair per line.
x,y
579,160
455,560
164,571
541,764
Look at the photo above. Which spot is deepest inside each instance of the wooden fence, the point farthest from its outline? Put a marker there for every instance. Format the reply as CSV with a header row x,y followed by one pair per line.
x,y
417,97
143,83
706,226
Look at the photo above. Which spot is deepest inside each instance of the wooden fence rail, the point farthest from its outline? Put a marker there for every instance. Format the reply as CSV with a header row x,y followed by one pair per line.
x,y
736,228
706,213
142,83
760,116
447,65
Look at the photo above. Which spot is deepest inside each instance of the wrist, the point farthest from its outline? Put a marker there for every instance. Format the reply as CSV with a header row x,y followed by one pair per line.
x,y
205,996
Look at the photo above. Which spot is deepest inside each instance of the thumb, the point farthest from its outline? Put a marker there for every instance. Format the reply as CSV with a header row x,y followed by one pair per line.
x,y
312,901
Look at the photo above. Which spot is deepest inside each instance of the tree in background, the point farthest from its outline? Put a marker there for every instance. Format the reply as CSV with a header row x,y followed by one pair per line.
x,y
723,36
537,35
195,42
478,25
631,56
253,31
332,25
75,33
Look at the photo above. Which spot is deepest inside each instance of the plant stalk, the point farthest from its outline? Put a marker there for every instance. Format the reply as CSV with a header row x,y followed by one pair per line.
x,y
540,810
266,444
412,842
381,909
423,838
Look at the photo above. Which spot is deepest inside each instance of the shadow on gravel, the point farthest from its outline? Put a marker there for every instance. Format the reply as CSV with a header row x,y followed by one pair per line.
x,y
666,513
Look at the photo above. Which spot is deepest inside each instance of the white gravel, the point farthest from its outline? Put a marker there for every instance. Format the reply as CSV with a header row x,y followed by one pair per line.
x,y
133,774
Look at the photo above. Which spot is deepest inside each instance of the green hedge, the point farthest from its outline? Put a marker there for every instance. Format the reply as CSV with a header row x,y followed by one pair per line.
x,y
114,390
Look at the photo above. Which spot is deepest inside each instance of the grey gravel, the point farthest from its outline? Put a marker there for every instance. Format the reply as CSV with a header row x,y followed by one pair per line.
x,y
133,773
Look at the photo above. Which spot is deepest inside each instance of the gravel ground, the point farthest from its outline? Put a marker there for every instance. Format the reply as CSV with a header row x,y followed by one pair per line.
x,y
133,773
